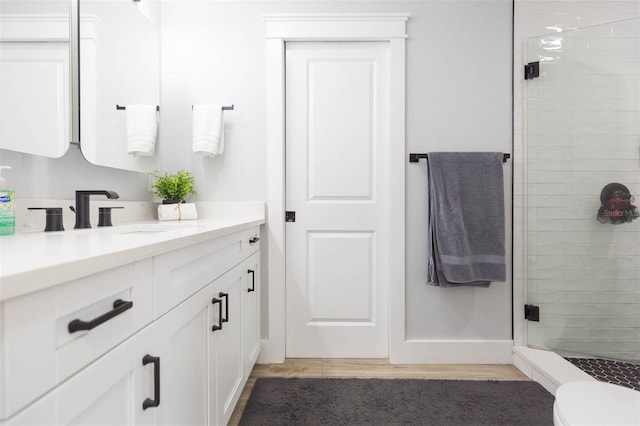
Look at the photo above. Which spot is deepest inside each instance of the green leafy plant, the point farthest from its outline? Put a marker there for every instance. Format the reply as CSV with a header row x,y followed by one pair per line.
x,y
174,187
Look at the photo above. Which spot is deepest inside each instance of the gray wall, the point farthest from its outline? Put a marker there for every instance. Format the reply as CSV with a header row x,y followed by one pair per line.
x,y
33,176
458,98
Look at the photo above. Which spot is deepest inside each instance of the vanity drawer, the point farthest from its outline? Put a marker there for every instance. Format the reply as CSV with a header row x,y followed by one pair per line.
x,y
181,273
252,239
49,335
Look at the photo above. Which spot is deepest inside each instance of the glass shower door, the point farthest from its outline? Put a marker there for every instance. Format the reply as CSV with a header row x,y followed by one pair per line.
x,y
583,172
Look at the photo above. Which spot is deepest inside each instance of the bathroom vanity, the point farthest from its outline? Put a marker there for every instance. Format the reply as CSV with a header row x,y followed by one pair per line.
x,y
144,323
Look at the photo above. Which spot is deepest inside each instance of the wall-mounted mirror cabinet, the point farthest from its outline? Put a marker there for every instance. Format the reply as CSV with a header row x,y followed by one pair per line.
x,y
43,103
119,65
38,76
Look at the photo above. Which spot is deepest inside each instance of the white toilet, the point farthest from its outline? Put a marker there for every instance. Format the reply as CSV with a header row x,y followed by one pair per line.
x,y
596,403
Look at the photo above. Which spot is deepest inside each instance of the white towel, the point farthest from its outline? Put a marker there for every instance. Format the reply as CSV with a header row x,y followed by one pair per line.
x,y
142,129
208,130
179,211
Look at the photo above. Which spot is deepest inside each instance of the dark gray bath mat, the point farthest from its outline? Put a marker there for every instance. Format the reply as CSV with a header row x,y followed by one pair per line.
x,y
281,401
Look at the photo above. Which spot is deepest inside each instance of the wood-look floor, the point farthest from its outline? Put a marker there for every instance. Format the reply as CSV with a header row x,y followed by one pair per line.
x,y
371,369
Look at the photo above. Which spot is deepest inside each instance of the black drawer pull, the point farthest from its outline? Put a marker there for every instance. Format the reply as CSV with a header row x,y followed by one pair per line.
x,y
148,403
219,326
119,306
226,307
253,281
254,240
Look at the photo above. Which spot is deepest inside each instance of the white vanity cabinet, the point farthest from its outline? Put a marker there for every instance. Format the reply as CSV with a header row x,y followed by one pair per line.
x,y
40,348
199,344
251,336
182,338
180,355
110,391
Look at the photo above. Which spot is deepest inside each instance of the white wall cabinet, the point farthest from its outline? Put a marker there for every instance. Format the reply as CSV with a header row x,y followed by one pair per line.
x,y
200,349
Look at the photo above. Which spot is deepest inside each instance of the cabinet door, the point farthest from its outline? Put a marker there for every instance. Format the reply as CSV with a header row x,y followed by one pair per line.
x,y
251,338
182,340
110,391
40,349
226,345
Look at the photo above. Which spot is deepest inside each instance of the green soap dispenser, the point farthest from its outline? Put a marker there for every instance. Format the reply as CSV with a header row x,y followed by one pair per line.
x,y
7,207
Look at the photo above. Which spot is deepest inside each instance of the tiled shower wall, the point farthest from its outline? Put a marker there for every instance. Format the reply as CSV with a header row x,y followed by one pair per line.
x,y
580,130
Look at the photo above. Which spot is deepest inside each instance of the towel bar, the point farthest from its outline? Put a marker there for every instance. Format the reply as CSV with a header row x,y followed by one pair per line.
x,y
224,108
414,158
122,107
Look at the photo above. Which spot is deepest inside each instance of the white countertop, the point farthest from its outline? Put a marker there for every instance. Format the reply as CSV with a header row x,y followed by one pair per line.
x,y
37,260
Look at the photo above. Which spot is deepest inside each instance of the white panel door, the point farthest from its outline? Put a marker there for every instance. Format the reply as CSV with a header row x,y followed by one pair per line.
x,y
337,140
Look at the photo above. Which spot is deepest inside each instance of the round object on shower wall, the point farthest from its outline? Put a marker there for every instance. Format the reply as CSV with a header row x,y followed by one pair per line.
x,y
610,190
616,205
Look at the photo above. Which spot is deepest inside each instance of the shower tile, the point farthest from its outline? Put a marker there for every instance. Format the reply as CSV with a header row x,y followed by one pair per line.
x,y
539,297
625,297
624,285
584,321
550,309
622,373
613,333
545,262
544,285
578,297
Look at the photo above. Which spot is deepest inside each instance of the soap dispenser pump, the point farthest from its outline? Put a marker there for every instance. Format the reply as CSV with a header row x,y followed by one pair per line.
x,y
7,207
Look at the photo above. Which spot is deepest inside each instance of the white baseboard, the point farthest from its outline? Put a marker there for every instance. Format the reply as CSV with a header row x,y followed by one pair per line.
x,y
270,354
454,352
428,352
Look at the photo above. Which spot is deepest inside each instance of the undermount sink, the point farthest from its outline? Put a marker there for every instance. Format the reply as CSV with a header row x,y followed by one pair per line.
x,y
150,228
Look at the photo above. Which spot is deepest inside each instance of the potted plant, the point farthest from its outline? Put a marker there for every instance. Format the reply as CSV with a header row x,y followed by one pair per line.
x,y
173,190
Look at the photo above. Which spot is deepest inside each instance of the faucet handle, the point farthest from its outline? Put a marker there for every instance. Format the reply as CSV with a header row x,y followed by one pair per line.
x,y
53,218
104,215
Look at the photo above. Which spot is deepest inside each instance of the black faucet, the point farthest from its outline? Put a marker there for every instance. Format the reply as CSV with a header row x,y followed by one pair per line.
x,y
82,206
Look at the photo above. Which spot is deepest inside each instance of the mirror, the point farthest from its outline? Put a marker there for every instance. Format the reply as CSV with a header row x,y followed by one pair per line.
x,y
119,65
38,82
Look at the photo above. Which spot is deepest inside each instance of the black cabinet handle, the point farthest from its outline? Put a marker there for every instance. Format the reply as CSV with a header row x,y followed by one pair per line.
x,y
226,307
155,360
219,326
119,306
253,281
254,240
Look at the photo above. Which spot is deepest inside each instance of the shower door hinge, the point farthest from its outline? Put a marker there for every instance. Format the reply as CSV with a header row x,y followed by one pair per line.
x,y
532,70
532,312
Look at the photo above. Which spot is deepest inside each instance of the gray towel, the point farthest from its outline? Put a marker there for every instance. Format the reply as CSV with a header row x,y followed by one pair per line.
x,y
466,219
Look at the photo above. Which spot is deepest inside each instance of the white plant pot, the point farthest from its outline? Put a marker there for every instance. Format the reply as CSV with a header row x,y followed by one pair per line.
x,y
179,211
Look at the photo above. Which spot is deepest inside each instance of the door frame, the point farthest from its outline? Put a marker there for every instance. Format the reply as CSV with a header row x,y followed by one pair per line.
x,y
282,28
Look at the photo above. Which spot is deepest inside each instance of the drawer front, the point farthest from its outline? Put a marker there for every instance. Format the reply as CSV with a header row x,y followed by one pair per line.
x,y
252,241
40,349
181,273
